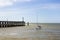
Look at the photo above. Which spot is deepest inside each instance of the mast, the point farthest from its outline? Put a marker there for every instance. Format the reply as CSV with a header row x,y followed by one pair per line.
x,y
37,18
39,27
22,18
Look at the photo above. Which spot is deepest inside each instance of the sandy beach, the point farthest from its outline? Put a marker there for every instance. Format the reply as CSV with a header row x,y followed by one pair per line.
x,y
30,33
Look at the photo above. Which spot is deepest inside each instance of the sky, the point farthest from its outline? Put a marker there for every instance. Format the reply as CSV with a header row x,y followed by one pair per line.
x,y
42,11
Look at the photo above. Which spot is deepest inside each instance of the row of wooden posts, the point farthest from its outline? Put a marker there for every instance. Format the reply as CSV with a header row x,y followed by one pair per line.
x,y
11,23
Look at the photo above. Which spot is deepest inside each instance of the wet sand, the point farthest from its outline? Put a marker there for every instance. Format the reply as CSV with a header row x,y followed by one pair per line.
x,y
6,38
30,33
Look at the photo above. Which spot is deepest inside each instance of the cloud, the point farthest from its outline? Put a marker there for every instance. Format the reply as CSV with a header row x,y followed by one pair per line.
x,y
4,3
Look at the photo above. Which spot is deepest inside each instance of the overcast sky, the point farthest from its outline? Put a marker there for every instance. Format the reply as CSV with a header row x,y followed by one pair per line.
x,y
48,11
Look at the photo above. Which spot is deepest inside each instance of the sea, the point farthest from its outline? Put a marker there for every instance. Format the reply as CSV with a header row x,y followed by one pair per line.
x,y
48,30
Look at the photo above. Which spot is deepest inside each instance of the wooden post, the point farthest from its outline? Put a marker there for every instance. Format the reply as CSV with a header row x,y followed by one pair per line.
x,y
1,24
27,23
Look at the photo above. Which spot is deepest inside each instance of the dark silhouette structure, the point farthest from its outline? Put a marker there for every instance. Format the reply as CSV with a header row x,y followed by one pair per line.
x,y
11,23
27,23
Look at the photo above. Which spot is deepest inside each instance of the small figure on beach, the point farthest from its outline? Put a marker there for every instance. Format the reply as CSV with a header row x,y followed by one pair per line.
x,y
27,23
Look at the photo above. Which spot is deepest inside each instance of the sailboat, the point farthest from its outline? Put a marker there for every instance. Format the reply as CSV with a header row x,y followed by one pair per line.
x,y
38,26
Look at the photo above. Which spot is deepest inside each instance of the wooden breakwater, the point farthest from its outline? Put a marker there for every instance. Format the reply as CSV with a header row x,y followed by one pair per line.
x,y
11,23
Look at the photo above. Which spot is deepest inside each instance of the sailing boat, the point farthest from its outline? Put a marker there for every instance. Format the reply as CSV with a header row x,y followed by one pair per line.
x,y
38,26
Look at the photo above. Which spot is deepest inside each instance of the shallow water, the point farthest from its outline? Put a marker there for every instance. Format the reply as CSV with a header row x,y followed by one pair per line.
x,y
48,30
